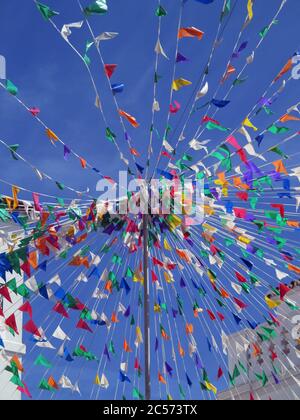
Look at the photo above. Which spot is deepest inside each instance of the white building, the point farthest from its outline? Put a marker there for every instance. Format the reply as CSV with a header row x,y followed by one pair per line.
x,y
286,346
13,345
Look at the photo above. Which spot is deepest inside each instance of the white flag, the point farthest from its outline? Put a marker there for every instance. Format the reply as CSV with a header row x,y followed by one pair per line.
x,y
156,106
168,147
237,288
280,274
56,279
104,382
202,92
124,367
96,260
65,383
106,36
66,29
159,50
60,335
32,284
251,151
82,278
250,59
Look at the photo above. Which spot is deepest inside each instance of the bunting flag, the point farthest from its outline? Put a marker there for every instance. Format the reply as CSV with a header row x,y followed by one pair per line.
x,y
200,241
46,12
98,7
129,118
190,32
180,83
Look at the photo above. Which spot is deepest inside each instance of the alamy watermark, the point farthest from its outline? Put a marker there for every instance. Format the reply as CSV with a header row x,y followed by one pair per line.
x,y
183,197
296,68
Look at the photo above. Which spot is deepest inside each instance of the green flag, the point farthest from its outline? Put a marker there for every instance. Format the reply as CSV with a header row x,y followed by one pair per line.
x,y
161,12
278,130
11,88
45,386
110,135
13,149
42,361
213,126
46,12
136,394
98,7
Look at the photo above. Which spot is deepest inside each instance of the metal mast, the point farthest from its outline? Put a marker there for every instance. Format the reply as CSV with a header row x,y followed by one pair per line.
x,y
146,309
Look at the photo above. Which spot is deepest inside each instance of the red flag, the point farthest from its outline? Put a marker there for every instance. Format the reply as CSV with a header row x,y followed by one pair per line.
x,y
222,317
283,290
241,304
154,277
220,373
31,328
136,364
240,278
280,207
157,262
26,308
11,323
60,309
34,111
211,315
110,69
26,268
5,293
83,326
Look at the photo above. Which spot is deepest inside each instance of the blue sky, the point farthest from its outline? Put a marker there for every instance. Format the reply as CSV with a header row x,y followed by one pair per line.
x,y
50,76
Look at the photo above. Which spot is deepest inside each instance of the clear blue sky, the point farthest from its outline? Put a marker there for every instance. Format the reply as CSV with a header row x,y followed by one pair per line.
x,y
50,76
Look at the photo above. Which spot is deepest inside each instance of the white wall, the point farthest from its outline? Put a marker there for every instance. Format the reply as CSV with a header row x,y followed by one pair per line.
x,y
13,345
289,364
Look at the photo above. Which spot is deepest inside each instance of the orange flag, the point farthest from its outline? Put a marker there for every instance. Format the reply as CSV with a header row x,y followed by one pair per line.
x,y
129,118
181,351
230,70
51,135
285,69
279,167
108,286
134,152
224,294
161,379
126,347
52,383
15,192
189,329
83,163
18,363
164,335
33,259
114,318
288,117
190,32
294,268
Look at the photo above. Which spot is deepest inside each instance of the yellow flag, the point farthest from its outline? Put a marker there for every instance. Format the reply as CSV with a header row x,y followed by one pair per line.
x,y
97,380
167,245
168,278
250,9
157,308
271,303
15,192
180,83
211,387
248,123
139,336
